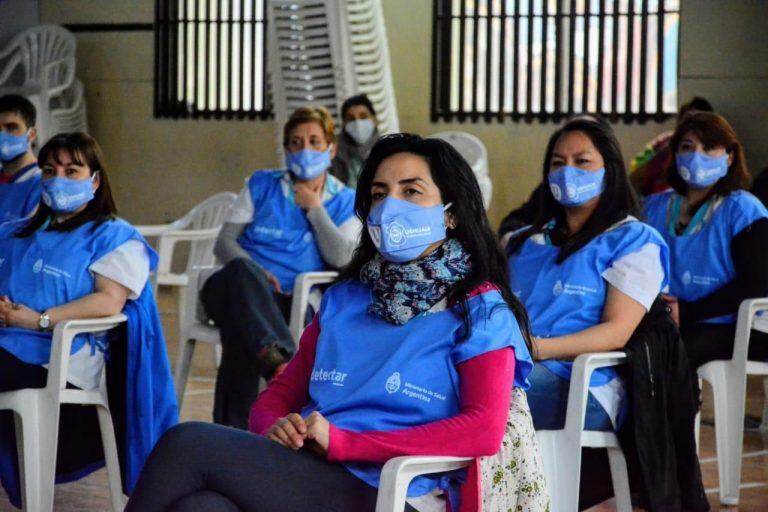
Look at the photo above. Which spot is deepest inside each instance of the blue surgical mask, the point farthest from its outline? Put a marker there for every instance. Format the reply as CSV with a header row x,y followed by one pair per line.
x,y
308,164
401,230
572,186
360,130
64,195
699,170
13,146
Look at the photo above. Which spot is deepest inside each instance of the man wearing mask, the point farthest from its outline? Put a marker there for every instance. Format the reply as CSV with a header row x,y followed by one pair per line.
x,y
358,135
20,177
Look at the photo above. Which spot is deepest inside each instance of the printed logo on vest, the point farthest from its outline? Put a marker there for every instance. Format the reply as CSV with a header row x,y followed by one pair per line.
x,y
393,383
2,260
334,376
556,192
687,278
558,288
38,266
561,288
307,237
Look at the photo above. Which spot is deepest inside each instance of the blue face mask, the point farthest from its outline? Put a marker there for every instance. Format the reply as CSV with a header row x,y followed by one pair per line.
x,y
699,170
572,186
308,164
63,195
13,146
401,231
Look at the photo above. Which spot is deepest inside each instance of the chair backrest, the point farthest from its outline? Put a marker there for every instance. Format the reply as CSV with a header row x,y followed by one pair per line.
x,y
474,152
210,213
42,45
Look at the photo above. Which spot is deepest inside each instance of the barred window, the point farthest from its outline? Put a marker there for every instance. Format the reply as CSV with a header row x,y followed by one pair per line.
x,y
546,59
210,59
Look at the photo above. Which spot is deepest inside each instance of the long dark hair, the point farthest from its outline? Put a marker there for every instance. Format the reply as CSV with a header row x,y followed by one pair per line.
x,y
617,201
713,130
458,185
84,151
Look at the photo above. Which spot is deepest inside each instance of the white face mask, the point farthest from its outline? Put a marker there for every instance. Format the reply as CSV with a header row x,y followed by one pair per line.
x,y
360,130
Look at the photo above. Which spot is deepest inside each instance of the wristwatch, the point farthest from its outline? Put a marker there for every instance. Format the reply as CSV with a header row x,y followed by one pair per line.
x,y
44,322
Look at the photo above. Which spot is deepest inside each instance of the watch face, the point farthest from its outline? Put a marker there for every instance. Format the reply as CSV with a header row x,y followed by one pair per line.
x,y
44,322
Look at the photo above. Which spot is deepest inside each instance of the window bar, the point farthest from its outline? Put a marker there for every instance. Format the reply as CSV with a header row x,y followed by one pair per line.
x,y
219,31
516,60
630,58
488,62
543,95
475,60
159,105
600,55
462,35
502,57
181,108
254,108
231,59
660,62
195,74
436,98
572,56
264,68
207,109
558,58
529,67
643,55
241,108
171,66
585,62
444,67
615,63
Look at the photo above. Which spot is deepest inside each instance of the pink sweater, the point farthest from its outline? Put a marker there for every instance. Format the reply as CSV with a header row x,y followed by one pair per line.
x,y
486,385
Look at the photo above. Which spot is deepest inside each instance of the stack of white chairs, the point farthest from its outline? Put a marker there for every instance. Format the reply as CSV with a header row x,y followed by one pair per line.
x,y
39,64
474,152
326,51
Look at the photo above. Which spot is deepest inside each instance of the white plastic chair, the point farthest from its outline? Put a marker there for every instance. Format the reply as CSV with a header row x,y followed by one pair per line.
x,y
561,449
39,64
399,472
729,382
37,419
193,329
199,227
474,152
68,113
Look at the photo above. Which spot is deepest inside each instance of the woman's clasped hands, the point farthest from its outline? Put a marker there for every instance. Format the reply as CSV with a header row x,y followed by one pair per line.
x,y
296,432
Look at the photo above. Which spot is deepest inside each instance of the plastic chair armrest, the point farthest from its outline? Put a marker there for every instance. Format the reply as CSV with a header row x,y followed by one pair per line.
x,y
301,288
748,310
581,373
63,334
398,473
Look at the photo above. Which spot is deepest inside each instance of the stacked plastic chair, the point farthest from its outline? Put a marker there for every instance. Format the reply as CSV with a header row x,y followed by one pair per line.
x,y
39,64
326,51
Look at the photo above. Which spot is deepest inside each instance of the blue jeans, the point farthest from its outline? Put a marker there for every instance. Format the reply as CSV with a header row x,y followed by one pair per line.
x,y
548,399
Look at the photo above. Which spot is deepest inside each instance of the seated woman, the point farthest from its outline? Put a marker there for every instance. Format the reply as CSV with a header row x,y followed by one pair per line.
x,y
718,238
414,351
587,271
74,259
359,132
284,222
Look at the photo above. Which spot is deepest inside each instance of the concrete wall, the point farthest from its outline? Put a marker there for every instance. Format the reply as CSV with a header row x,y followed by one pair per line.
x,y
161,168
15,16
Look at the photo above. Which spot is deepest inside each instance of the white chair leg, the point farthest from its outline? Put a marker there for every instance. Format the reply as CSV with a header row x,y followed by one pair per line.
x,y
36,440
217,354
183,362
764,423
563,471
110,454
728,390
620,479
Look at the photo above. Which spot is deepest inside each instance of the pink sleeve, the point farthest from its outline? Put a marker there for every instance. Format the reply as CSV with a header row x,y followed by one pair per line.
x,y
289,392
486,386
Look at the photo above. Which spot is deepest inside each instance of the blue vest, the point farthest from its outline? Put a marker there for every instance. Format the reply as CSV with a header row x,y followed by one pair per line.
x,y
701,262
373,375
280,238
18,200
50,268
569,297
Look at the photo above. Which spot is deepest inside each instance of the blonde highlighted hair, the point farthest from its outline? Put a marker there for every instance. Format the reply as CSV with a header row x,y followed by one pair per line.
x,y
319,115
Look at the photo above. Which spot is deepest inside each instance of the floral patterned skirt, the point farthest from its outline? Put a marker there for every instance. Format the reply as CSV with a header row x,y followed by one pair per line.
x,y
513,479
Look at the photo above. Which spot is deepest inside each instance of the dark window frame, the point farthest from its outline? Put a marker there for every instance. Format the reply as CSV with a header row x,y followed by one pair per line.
x,y
171,100
445,21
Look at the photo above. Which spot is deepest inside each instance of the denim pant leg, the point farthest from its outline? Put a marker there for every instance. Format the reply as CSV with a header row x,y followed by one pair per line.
x,y
548,400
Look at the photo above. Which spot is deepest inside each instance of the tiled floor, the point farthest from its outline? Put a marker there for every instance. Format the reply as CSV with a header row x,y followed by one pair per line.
x,y
91,494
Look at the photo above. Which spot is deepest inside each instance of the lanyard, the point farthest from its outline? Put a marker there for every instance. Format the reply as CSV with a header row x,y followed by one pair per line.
x,y
697,219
